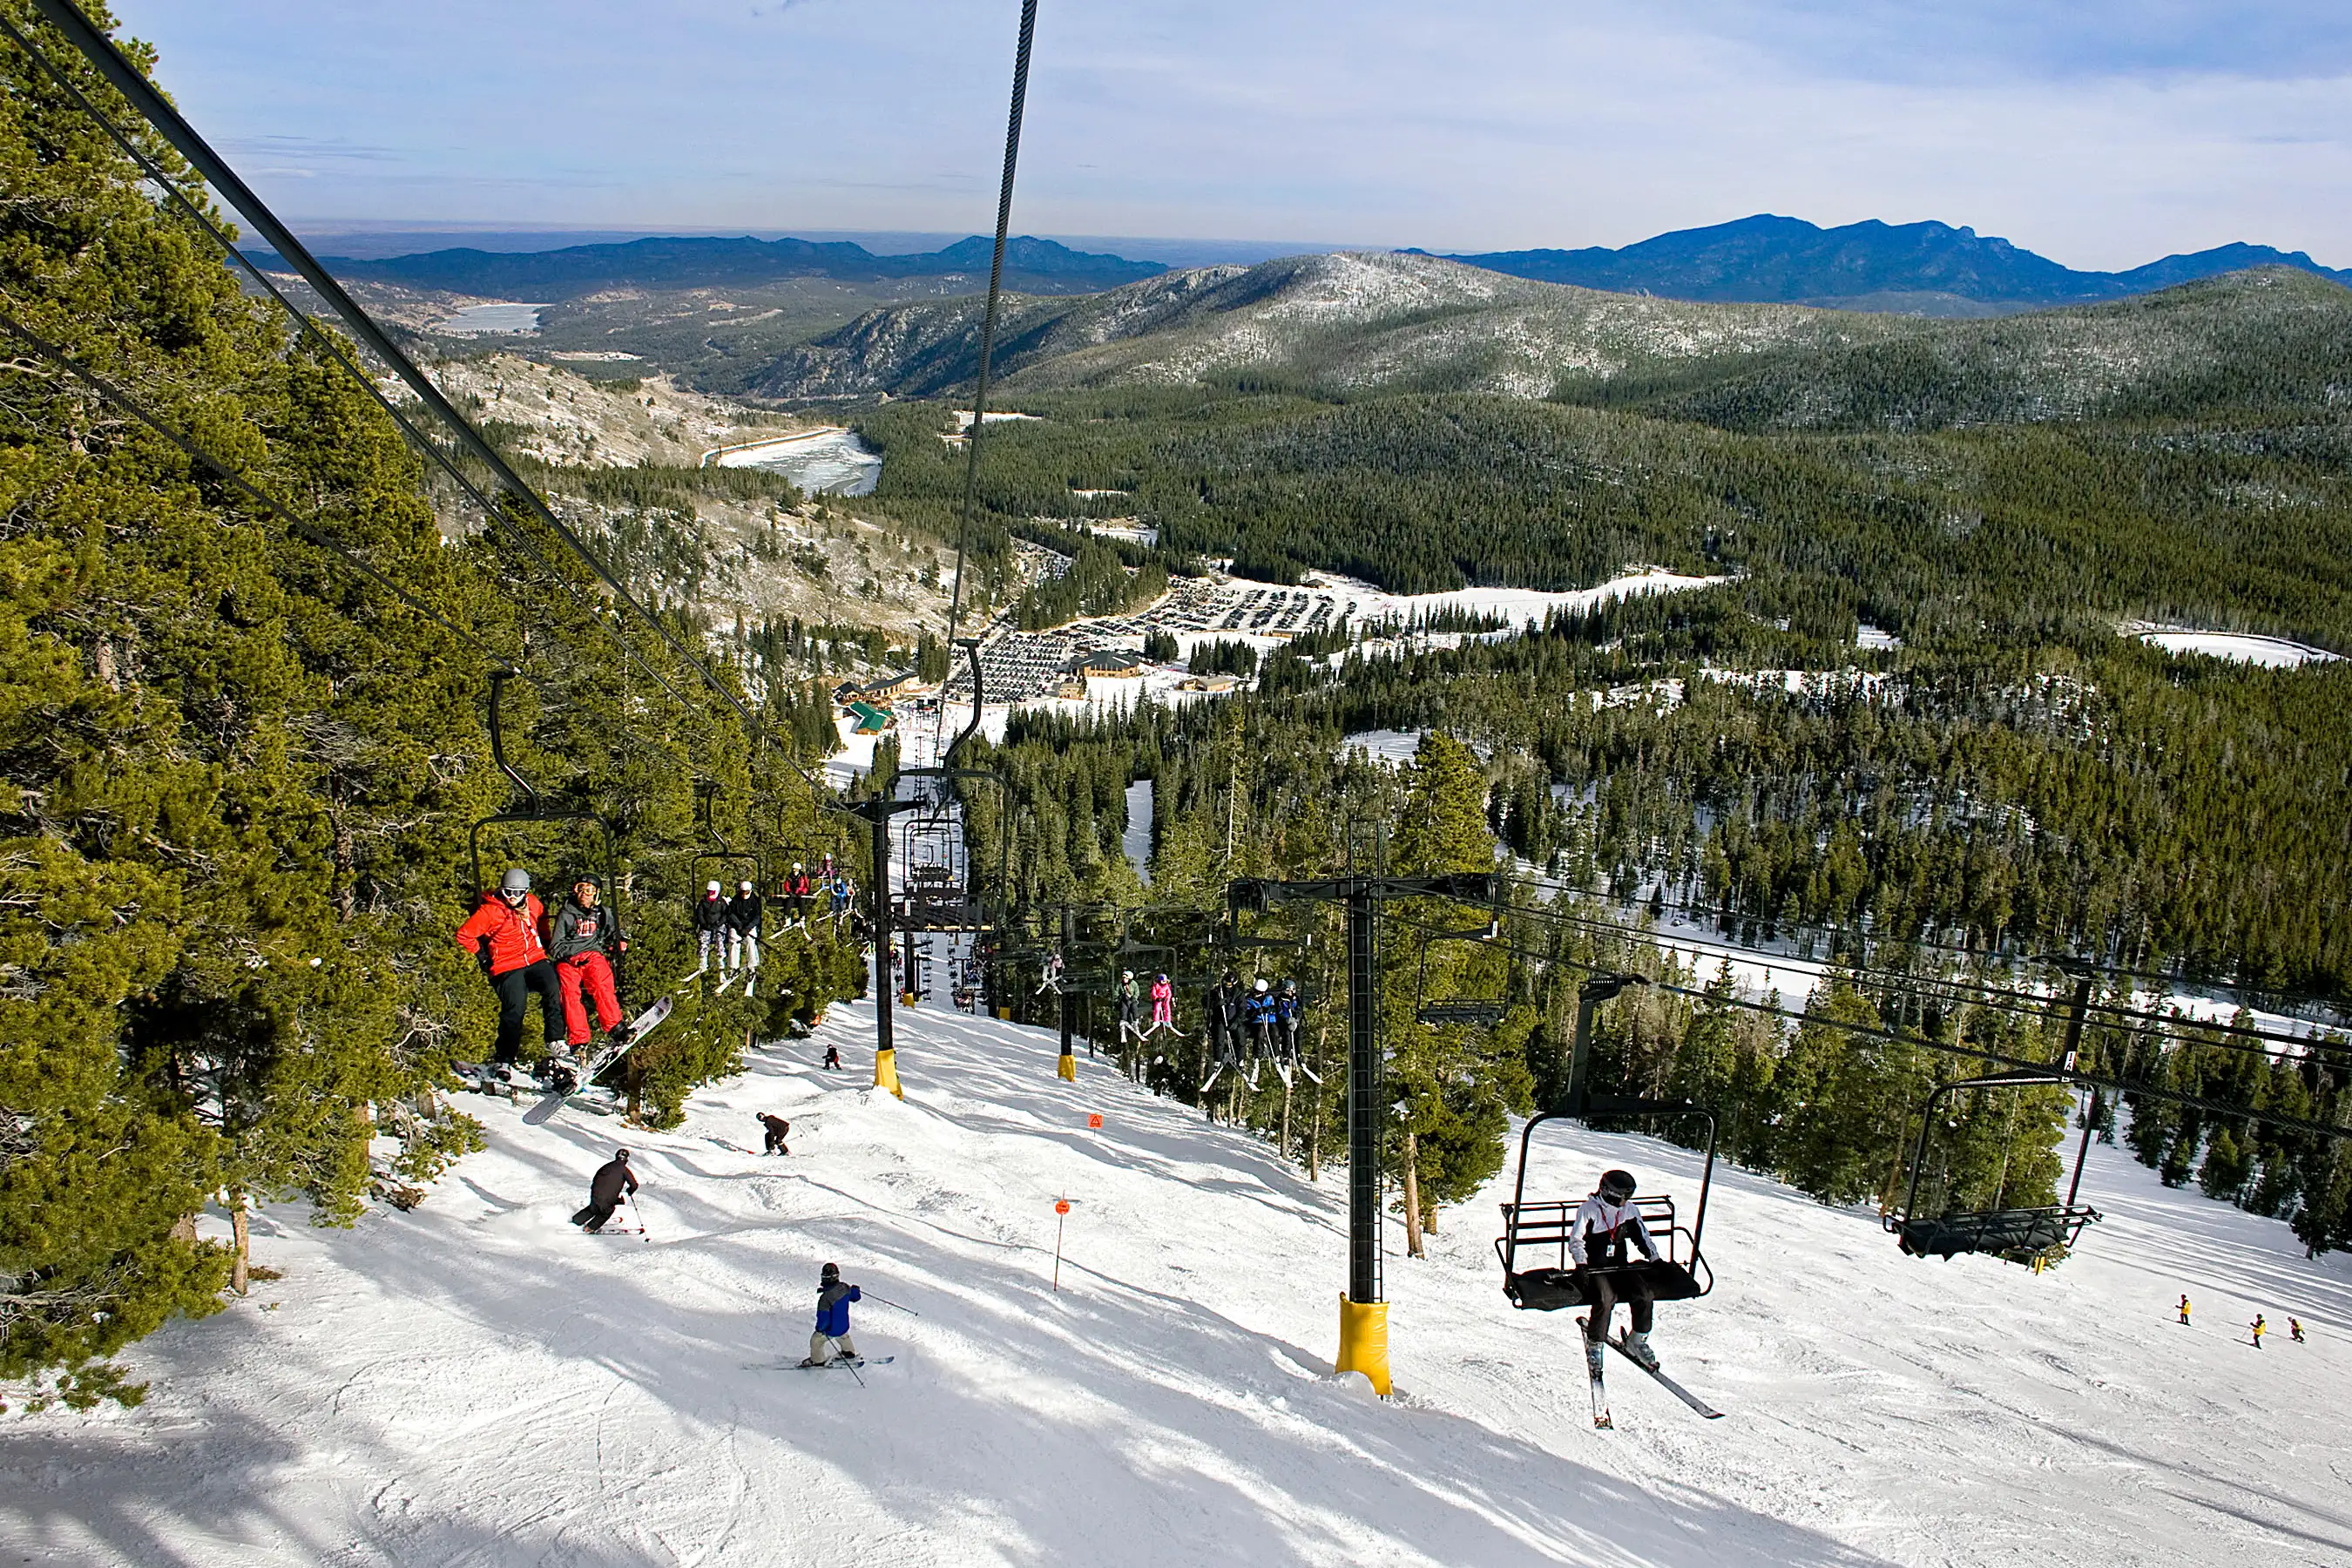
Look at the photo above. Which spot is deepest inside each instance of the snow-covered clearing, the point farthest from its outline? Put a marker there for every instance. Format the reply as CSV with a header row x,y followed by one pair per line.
x,y
478,1382
2243,647
1521,607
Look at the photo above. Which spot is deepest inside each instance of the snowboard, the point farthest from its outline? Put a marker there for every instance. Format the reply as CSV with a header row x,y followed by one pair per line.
x,y
646,1022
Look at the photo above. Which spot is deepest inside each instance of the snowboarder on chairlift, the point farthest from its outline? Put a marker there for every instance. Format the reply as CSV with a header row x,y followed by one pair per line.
x,y
1604,1225
778,1129
607,1190
503,936
710,927
582,939
743,912
831,1339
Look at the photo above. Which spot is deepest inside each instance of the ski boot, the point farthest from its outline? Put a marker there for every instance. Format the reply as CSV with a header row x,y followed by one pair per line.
x,y
1637,1345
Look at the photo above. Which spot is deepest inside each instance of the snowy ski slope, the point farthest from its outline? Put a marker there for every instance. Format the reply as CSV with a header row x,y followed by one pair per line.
x,y
475,1382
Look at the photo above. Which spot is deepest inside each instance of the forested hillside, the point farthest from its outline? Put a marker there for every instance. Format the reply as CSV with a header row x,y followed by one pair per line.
x,y
244,750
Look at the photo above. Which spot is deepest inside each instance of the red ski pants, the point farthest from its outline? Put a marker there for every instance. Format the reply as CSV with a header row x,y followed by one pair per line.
x,y
594,972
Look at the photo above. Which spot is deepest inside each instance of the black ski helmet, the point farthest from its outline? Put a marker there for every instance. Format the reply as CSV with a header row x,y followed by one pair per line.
x,y
1616,1186
830,1274
622,1155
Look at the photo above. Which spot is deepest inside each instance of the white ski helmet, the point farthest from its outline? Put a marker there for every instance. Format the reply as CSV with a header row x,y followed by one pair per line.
x,y
710,887
1262,985
744,886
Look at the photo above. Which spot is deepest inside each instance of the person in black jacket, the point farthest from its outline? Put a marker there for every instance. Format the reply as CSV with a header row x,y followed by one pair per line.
x,y
613,1183
777,1129
709,927
743,912
583,938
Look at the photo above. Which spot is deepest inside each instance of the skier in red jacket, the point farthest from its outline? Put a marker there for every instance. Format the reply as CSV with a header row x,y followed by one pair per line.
x,y
503,935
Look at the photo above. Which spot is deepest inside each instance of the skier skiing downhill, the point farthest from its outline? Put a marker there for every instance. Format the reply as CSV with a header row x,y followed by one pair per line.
x,y
2295,1329
2184,1312
2260,1328
831,1339
709,927
1606,1223
743,911
778,1129
503,934
582,939
613,1183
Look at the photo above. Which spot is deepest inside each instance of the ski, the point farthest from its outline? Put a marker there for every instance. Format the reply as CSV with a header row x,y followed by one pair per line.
x,y
1617,1344
644,1025
839,1363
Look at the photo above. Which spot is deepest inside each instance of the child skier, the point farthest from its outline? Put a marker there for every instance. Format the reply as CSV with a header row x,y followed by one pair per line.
x,y
778,1128
2184,1312
832,1058
2261,1329
503,934
743,911
582,940
607,1190
709,927
796,897
1604,1225
2295,1329
1163,1004
831,1339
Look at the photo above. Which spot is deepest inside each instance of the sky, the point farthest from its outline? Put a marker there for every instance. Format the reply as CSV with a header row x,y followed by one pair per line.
x,y
2098,133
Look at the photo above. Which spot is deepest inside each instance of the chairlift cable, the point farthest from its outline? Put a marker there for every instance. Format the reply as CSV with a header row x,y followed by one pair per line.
x,y
1925,987
988,344
304,322
308,532
159,112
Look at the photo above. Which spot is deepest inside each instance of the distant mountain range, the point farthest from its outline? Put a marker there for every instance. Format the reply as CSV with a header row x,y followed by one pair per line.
x,y
1913,268
1373,323
1032,265
1918,268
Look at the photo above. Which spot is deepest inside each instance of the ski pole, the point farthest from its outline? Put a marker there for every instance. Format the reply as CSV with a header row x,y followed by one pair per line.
x,y
886,1302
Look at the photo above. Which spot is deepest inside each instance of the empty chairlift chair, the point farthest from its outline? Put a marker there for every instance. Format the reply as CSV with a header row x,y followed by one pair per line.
x,y
2034,1235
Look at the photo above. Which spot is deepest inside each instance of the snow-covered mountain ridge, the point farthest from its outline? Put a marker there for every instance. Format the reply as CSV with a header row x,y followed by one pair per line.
x,y
478,1382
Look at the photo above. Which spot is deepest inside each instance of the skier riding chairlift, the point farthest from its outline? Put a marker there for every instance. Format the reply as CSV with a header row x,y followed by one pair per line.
x,y
503,935
1597,1240
709,929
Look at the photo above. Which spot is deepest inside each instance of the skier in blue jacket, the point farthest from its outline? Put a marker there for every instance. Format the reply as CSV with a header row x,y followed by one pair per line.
x,y
831,1339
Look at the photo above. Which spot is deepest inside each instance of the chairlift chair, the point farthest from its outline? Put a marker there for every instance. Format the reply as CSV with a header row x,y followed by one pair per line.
x,y
1538,1272
531,808
1477,1012
2034,1235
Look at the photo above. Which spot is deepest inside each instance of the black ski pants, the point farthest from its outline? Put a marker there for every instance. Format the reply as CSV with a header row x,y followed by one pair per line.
x,y
592,1218
1604,1290
515,987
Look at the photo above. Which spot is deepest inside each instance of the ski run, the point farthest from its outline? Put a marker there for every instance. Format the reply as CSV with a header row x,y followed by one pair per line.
x,y
478,1382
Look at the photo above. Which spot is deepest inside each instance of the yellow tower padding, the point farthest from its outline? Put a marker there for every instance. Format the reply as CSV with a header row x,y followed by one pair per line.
x,y
886,1074
1066,1069
1364,1342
